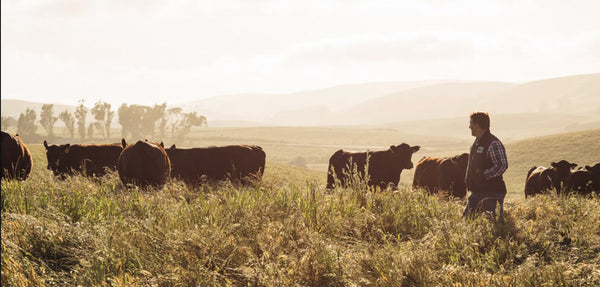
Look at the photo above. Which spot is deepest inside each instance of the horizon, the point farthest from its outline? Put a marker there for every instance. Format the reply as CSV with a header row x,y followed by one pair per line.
x,y
251,93
155,52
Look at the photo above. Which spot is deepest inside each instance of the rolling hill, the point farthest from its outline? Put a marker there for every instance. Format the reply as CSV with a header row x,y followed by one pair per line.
x,y
276,108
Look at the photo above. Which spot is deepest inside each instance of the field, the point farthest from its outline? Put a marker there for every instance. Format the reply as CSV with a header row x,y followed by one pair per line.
x,y
287,230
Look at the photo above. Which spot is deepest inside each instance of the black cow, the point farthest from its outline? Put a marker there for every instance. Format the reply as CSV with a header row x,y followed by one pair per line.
x,y
540,179
446,174
144,164
585,180
16,158
235,162
384,166
88,160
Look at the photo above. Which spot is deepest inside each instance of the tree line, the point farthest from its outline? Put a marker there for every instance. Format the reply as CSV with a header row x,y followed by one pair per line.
x,y
137,121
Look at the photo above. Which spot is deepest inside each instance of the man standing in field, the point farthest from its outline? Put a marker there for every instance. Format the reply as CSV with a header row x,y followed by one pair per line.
x,y
487,163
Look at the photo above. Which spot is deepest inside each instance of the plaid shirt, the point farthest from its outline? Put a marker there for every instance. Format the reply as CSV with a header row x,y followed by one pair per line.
x,y
497,154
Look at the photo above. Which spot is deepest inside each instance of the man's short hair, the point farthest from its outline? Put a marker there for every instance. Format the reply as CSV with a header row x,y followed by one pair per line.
x,y
482,119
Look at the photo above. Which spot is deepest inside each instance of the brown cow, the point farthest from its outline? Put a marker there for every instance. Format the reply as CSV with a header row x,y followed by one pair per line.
x,y
539,179
16,158
88,160
585,180
384,166
235,162
144,164
446,174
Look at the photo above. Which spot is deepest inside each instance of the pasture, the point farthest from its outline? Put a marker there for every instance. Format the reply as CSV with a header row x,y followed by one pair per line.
x,y
287,230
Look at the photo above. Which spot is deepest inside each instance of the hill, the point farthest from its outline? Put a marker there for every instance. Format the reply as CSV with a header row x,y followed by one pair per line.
x,y
509,127
575,95
437,101
275,108
578,94
382,103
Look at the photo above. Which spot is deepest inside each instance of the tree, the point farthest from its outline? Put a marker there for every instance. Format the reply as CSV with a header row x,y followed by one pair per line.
x,y
47,119
103,115
26,123
150,117
67,118
80,114
130,118
174,117
188,120
8,122
109,117
90,131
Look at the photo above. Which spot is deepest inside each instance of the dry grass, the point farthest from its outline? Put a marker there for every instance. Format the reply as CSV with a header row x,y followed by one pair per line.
x,y
287,230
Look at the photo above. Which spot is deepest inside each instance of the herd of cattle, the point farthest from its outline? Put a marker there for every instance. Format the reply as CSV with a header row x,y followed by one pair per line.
x,y
147,163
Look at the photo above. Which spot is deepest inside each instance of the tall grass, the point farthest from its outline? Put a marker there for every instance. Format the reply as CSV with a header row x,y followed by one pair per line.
x,y
277,233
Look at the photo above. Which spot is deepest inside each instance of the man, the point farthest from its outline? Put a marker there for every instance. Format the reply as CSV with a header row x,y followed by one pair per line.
x,y
487,163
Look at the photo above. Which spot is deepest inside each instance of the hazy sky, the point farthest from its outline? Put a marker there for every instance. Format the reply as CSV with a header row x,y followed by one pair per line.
x,y
141,51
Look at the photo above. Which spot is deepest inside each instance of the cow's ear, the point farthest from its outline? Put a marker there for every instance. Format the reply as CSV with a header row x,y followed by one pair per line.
x,y
573,165
162,144
588,167
415,148
173,146
454,160
553,164
123,143
392,147
46,144
67,147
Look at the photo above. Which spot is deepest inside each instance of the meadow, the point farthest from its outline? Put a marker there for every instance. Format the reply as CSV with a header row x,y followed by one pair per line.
x,y
287,230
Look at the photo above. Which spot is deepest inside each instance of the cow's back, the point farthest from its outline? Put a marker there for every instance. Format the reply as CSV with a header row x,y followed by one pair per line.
x,y
579,182
144,164
15,157
428,173
94,159
538,180
233,162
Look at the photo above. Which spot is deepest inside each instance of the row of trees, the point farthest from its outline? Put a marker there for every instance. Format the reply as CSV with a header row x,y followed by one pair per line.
x,y
136,121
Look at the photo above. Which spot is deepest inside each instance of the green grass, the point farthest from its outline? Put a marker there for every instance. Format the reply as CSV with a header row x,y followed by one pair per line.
x,y
287,230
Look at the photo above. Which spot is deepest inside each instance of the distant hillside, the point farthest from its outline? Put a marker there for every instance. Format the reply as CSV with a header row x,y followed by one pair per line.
x,y
574,94
437,101
582,147
509,127
570,103
388,102
277,108
579,95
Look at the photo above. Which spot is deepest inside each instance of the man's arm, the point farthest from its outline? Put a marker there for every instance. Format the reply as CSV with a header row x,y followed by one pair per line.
x,y
497,154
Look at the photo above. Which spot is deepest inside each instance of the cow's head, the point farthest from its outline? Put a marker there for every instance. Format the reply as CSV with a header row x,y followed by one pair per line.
x,y
58,158
402,154
561,169
595,172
